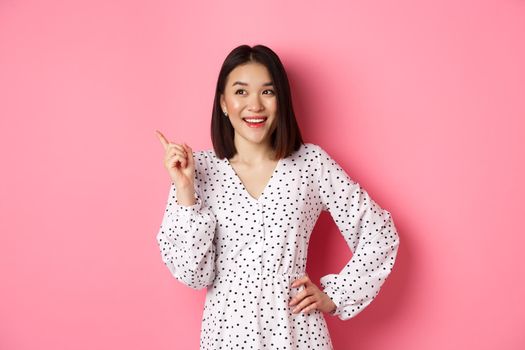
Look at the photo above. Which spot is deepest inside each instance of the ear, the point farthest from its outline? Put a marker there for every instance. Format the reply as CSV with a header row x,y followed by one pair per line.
x,y
223,103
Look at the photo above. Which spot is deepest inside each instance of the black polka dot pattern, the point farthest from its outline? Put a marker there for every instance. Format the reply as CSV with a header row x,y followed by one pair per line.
x,y
247,251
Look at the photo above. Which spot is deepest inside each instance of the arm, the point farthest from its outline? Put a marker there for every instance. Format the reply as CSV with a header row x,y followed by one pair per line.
x,y
186,242
369,232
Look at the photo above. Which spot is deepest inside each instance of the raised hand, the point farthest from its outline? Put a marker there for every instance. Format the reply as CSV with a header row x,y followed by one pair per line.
x,y
179,162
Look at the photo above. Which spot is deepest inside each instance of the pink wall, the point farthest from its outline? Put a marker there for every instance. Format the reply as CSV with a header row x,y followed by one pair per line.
x,y
421,102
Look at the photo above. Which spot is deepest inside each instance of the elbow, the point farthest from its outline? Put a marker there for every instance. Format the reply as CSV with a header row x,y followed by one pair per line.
x,y
396,242
391,232
190,264
196,271
202,273
196,281
194,278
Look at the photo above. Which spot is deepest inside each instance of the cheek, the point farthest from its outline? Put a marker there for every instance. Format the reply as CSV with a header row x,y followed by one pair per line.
x,y
272,105
235,103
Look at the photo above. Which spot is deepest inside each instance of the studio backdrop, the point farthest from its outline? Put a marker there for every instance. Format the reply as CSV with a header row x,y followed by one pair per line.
x,y
420,102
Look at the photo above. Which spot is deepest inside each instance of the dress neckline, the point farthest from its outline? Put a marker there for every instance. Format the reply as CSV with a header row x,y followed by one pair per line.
x,y
243,187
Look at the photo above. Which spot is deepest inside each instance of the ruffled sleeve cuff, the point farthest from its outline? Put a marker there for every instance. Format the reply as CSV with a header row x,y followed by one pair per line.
x,y
338,295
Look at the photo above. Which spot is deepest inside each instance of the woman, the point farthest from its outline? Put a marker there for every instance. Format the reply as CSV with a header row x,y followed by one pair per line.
x,y
239,218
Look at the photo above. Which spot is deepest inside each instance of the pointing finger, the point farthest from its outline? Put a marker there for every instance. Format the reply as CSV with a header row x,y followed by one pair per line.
x,y
162,139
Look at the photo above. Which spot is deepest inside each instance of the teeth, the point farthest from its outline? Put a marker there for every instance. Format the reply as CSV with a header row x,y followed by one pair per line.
x,y
254,120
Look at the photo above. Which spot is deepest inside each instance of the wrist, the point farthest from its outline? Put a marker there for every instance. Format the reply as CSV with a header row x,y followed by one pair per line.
x,y
186,196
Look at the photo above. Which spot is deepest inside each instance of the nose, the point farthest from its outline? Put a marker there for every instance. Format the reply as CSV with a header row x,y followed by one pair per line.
x,y
255,104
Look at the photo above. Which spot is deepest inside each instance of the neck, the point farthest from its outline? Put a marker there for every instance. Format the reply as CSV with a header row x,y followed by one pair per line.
x,y
250,153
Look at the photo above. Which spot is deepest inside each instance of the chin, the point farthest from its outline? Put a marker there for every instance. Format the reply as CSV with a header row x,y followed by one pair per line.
x,y
258,140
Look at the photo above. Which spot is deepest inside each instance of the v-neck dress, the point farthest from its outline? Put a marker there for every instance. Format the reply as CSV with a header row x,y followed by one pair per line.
x,y
247,251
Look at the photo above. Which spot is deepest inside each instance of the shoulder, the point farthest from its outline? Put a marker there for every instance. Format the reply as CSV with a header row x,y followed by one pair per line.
x,y
307,150
315,152
200,158
207,157
204,165
204,156
324,161
207,161
310,156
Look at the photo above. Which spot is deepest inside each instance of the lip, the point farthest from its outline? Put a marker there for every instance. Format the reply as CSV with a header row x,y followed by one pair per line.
x,y
255,117
255,125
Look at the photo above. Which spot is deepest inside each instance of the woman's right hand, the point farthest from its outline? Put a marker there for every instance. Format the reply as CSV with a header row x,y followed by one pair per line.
x,y
179,162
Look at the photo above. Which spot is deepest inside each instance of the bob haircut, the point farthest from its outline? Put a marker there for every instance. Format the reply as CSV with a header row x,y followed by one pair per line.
x,y
286,137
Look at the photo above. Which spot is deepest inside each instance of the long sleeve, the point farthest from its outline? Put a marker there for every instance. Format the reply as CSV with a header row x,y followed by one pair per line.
x,y
186,242
369,232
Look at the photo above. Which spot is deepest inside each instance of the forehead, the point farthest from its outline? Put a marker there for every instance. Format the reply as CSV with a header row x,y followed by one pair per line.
x,y
251,73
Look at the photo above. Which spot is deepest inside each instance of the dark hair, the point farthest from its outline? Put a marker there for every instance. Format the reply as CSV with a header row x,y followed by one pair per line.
x,y
286,138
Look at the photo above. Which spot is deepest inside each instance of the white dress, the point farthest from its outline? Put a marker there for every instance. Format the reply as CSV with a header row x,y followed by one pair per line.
x,y
248,251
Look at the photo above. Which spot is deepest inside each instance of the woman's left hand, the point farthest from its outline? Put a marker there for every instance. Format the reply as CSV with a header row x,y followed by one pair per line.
x,y
310,298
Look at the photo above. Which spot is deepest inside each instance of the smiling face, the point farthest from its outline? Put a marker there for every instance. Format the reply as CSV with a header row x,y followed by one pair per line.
x,y
251,102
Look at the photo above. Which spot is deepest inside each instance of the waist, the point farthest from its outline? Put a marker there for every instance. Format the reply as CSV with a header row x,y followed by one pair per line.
x,y
250,272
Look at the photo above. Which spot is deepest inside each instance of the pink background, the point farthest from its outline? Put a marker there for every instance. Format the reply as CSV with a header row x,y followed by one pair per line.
x,y
421,102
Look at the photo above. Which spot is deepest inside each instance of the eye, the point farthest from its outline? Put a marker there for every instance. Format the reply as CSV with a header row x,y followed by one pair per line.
x,y
242,90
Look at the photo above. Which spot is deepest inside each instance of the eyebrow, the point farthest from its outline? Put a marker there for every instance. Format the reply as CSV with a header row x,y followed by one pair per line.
x,y
245,84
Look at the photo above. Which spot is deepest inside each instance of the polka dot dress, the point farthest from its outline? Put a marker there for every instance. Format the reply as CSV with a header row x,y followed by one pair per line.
x,y
248,251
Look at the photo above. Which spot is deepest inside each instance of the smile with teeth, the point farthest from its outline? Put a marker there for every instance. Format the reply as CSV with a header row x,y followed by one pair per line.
x,y
255,122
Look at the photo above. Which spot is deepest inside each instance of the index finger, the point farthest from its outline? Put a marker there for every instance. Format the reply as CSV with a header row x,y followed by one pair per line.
x,y
162,139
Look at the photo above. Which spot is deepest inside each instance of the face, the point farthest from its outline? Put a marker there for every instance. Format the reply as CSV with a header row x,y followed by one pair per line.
x,y
251,102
